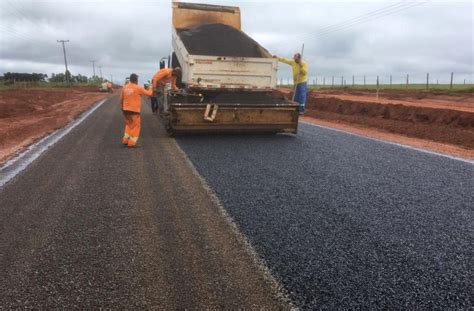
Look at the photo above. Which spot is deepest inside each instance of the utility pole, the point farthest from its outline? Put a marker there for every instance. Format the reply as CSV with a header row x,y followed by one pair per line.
x,y
93,67
65,59
451,85
100,71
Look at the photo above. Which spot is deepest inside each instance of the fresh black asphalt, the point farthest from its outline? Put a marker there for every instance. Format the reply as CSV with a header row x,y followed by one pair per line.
x,y
347,222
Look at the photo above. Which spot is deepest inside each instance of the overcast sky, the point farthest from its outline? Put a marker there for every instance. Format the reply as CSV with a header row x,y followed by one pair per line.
x,y
342,38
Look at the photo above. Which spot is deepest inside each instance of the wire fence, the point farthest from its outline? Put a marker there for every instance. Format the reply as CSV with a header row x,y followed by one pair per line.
x,y
408,81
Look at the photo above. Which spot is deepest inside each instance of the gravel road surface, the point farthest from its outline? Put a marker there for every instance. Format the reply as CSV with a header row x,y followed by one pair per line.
x,y
91,224
347,222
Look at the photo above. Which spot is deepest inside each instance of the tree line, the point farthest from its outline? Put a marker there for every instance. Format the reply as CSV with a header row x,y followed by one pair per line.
x,y
12,77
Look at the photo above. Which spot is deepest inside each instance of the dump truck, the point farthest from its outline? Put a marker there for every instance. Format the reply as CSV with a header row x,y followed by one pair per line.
x,y
228,80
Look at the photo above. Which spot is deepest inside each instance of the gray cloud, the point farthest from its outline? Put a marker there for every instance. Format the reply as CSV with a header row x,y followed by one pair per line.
x,y
131,36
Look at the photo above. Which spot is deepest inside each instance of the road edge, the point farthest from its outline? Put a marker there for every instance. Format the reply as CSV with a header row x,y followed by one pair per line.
x,y
11,168
406,146
276,286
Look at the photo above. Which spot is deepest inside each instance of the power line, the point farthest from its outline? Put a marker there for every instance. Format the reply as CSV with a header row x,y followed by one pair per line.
x,y
22,15
390,12
392,6
364,18
14,33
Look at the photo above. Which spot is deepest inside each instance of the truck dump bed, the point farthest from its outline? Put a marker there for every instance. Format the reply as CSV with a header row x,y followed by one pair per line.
x,y
220,40
233,76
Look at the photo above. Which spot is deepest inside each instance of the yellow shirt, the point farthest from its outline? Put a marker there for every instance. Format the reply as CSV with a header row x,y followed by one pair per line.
x,y
300,71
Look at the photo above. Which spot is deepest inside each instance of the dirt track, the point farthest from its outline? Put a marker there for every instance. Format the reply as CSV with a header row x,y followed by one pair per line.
x,y
437,117
438,99
28,114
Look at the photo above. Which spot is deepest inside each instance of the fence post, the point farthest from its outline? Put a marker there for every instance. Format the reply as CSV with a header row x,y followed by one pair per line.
x,y
451,85
427,80
407,80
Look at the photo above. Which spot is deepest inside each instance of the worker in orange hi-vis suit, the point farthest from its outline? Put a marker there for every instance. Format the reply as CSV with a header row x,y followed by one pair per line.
x,y
130,100
166,75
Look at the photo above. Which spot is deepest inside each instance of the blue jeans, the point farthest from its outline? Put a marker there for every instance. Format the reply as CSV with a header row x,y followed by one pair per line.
x,y
300,95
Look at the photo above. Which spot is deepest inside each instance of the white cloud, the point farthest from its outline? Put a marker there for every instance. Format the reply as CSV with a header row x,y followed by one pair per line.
x,y
131,36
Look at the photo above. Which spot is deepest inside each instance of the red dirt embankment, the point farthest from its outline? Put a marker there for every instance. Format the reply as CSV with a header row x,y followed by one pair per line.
x,y
26,115
436,120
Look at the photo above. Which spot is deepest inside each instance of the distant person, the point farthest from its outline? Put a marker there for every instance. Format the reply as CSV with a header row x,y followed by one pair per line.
x,y
300,78
131,102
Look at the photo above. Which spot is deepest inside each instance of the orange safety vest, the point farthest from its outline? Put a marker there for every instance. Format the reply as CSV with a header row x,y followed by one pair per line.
x,y
164,76
130,97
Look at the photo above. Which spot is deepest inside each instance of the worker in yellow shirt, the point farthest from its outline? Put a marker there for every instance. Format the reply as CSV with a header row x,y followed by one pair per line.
x,y
130,101
300,78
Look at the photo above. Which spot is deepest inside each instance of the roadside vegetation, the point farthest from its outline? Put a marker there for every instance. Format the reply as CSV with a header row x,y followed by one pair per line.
x,y
15,80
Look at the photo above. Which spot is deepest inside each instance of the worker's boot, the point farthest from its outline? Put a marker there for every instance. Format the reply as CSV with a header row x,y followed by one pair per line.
x,y
132,143
125,142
